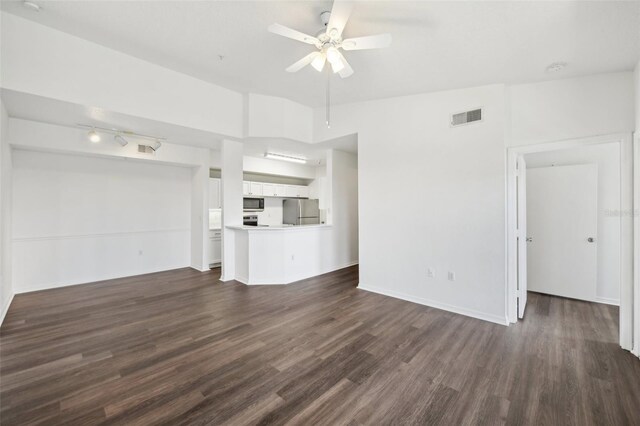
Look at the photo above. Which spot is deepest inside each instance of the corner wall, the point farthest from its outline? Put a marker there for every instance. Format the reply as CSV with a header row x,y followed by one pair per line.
x,y
6,287
431,196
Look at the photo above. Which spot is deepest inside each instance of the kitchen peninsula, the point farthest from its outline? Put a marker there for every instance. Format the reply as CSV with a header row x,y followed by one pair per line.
x,y
280,254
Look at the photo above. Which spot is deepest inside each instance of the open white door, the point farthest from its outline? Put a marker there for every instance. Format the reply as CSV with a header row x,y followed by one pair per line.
x,y
521,196
562,218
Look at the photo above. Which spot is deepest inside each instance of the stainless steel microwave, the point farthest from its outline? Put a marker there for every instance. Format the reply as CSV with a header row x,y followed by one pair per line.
x,y
253,204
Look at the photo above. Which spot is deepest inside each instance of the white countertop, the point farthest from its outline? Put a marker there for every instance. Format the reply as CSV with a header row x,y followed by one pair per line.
x,y
276,228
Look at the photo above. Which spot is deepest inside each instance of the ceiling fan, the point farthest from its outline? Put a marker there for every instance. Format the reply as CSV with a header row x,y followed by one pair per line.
x,y
329,41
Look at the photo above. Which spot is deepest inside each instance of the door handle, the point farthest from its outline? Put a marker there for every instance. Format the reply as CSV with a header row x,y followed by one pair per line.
x,y
591,240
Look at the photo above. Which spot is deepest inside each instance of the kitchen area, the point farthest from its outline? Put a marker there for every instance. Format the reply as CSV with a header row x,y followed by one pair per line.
x,y
270,202
289,221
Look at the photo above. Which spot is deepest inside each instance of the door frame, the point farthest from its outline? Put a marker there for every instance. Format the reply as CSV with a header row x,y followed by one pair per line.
x,y
636,228
625,142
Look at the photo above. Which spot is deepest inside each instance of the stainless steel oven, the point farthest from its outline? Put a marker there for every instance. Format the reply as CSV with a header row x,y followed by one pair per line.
x,y
253,204
250,220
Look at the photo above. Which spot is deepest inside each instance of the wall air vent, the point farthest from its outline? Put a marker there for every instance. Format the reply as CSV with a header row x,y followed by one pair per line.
x,y
466,117
146,149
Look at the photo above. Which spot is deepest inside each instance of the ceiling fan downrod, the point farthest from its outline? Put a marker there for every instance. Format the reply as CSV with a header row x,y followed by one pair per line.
x,y
328,115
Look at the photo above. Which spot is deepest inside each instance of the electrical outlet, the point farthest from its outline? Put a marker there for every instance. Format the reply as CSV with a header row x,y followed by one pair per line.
x,y
452,276
431,273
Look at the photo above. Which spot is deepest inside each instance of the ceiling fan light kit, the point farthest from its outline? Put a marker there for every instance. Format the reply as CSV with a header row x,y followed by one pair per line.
x,y
328,43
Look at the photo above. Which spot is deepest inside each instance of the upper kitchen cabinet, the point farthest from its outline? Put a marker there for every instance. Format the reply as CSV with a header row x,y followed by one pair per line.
x,y
273,190
259,189
214,193
297,191
252,189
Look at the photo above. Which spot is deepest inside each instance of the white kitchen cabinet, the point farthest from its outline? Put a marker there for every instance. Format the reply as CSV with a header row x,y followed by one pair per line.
x,y
269,189
256,188
252,189
280,190
214,193
297,191
303,191
215,246
259,189
291,191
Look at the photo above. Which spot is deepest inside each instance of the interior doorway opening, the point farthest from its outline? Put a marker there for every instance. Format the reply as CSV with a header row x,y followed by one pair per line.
x,y
567,232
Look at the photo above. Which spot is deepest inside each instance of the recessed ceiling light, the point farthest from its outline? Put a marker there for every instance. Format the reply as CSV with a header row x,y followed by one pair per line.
x,y
556,66
273,156
31,6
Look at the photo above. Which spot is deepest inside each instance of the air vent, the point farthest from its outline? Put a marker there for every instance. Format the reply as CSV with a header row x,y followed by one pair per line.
x,y
466,117
146,149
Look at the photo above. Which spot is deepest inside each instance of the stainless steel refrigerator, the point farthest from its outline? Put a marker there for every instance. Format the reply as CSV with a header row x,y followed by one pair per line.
x,y
300,212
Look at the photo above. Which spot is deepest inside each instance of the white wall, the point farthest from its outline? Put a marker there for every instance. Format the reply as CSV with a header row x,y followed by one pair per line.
x,y
231,182
79,219
272,214
636,183
431,196
636,77
6,287
607,157
572,108
342,167
274,117
43,61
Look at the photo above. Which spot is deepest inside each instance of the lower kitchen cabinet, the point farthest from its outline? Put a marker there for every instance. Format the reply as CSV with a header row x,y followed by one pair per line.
x,y
215,247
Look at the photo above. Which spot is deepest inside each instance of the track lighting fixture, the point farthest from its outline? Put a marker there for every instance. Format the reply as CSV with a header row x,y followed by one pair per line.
x,y
122,136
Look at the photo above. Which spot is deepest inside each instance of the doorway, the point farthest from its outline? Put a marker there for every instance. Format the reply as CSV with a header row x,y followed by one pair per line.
x,y
562,258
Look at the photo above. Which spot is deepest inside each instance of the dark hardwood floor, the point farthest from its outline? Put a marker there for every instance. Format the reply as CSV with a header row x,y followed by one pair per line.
x,y
179,347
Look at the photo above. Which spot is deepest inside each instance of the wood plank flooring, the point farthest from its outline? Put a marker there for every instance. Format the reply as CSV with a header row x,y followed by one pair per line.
x,y
181,348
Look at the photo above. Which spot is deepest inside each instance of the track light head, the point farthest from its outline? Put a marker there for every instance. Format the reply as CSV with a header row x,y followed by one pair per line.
x,y
122,141
94,136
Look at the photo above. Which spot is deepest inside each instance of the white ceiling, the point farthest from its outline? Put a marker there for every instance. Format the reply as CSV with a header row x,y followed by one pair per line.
x,y
436,45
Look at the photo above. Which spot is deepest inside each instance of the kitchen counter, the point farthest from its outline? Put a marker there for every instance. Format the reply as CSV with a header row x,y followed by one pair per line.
x,y
280,254
277,227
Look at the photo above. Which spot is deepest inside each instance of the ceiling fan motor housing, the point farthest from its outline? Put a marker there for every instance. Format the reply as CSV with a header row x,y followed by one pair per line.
x,y
324,17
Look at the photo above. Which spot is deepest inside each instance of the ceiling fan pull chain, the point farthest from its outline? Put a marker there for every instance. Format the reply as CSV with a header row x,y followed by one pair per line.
x,y
328,97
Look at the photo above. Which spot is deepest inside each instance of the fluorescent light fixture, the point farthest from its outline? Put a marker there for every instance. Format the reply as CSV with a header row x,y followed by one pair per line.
x,y
122,141
273,156
94,136
31,6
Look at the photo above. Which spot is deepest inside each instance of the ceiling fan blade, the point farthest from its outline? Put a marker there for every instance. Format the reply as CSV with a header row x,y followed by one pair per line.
x,y
347,70
339,17
293,34
368,42
303,62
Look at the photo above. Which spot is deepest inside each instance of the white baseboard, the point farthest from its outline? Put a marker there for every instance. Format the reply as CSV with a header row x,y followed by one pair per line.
x,y
5,308
438,305
608,301
245,281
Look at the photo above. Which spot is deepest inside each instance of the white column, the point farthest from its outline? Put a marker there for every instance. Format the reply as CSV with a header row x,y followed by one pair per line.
x,y
200,216
231,187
